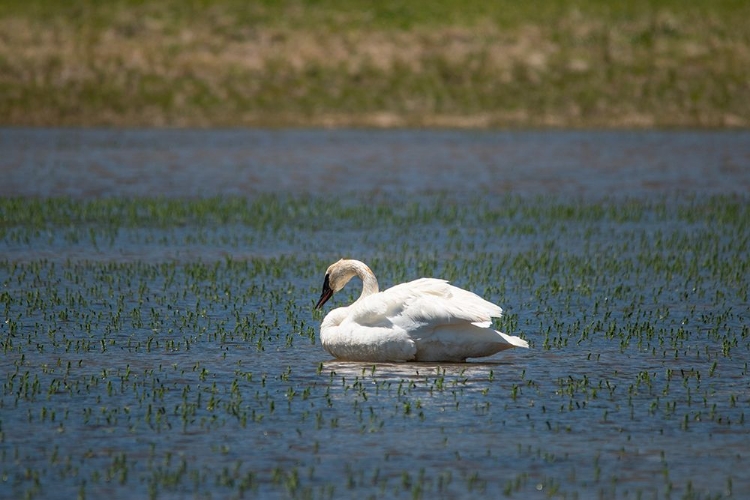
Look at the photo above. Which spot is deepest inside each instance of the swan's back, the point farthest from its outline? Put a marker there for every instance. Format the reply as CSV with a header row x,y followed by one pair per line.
x,y
426,301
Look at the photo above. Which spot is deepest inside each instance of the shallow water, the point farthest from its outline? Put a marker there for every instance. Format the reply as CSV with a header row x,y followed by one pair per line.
x,y
179,163
174,354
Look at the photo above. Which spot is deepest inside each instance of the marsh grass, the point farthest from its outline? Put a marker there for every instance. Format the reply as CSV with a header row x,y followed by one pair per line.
x,y
198,373
335,63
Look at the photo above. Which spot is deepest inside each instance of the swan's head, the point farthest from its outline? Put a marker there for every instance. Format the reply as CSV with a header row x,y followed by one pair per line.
x,y
339,274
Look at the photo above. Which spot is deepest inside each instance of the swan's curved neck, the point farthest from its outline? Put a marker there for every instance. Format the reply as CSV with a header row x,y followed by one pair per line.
x,y
369,281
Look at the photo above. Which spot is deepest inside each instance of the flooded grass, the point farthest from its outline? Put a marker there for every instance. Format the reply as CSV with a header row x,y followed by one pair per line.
x,y
168,348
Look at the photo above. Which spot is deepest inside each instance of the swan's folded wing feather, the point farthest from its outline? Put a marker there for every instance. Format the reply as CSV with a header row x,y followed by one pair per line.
x,y
436,312
440,302
424,303
379,309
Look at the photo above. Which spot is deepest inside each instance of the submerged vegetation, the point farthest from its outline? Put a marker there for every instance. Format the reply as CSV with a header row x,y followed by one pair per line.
x,y
581,63
168,347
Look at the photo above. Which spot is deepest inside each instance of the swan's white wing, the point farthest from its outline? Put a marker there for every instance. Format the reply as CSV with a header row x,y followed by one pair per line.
x,y
425,302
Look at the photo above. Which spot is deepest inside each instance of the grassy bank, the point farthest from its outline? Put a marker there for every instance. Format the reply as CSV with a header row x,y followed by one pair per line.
x,y
356,63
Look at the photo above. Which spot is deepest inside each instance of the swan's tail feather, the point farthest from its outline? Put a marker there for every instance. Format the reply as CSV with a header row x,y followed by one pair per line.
x,y
514,341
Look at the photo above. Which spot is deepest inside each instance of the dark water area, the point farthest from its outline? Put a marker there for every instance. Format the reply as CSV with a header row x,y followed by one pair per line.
x,y
177,356
205,163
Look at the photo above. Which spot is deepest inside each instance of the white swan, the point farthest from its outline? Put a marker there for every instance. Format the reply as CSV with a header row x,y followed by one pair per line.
x,y
423,320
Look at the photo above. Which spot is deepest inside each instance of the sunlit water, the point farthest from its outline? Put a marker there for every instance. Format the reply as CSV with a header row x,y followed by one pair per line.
x,y
139,163
178,361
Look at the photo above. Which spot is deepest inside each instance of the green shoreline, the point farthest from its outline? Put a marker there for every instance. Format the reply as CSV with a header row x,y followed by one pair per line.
x,y
580,64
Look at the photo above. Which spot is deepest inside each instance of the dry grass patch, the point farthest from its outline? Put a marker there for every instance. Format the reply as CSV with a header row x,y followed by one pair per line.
x,y
141,66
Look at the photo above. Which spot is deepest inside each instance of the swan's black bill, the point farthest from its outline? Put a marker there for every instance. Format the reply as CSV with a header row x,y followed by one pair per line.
x,y
325,295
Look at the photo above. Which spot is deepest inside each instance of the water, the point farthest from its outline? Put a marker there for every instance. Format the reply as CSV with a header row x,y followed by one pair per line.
x,y
175,354
177,163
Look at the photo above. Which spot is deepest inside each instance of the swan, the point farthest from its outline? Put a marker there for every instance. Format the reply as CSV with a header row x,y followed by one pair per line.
x,y
423,320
